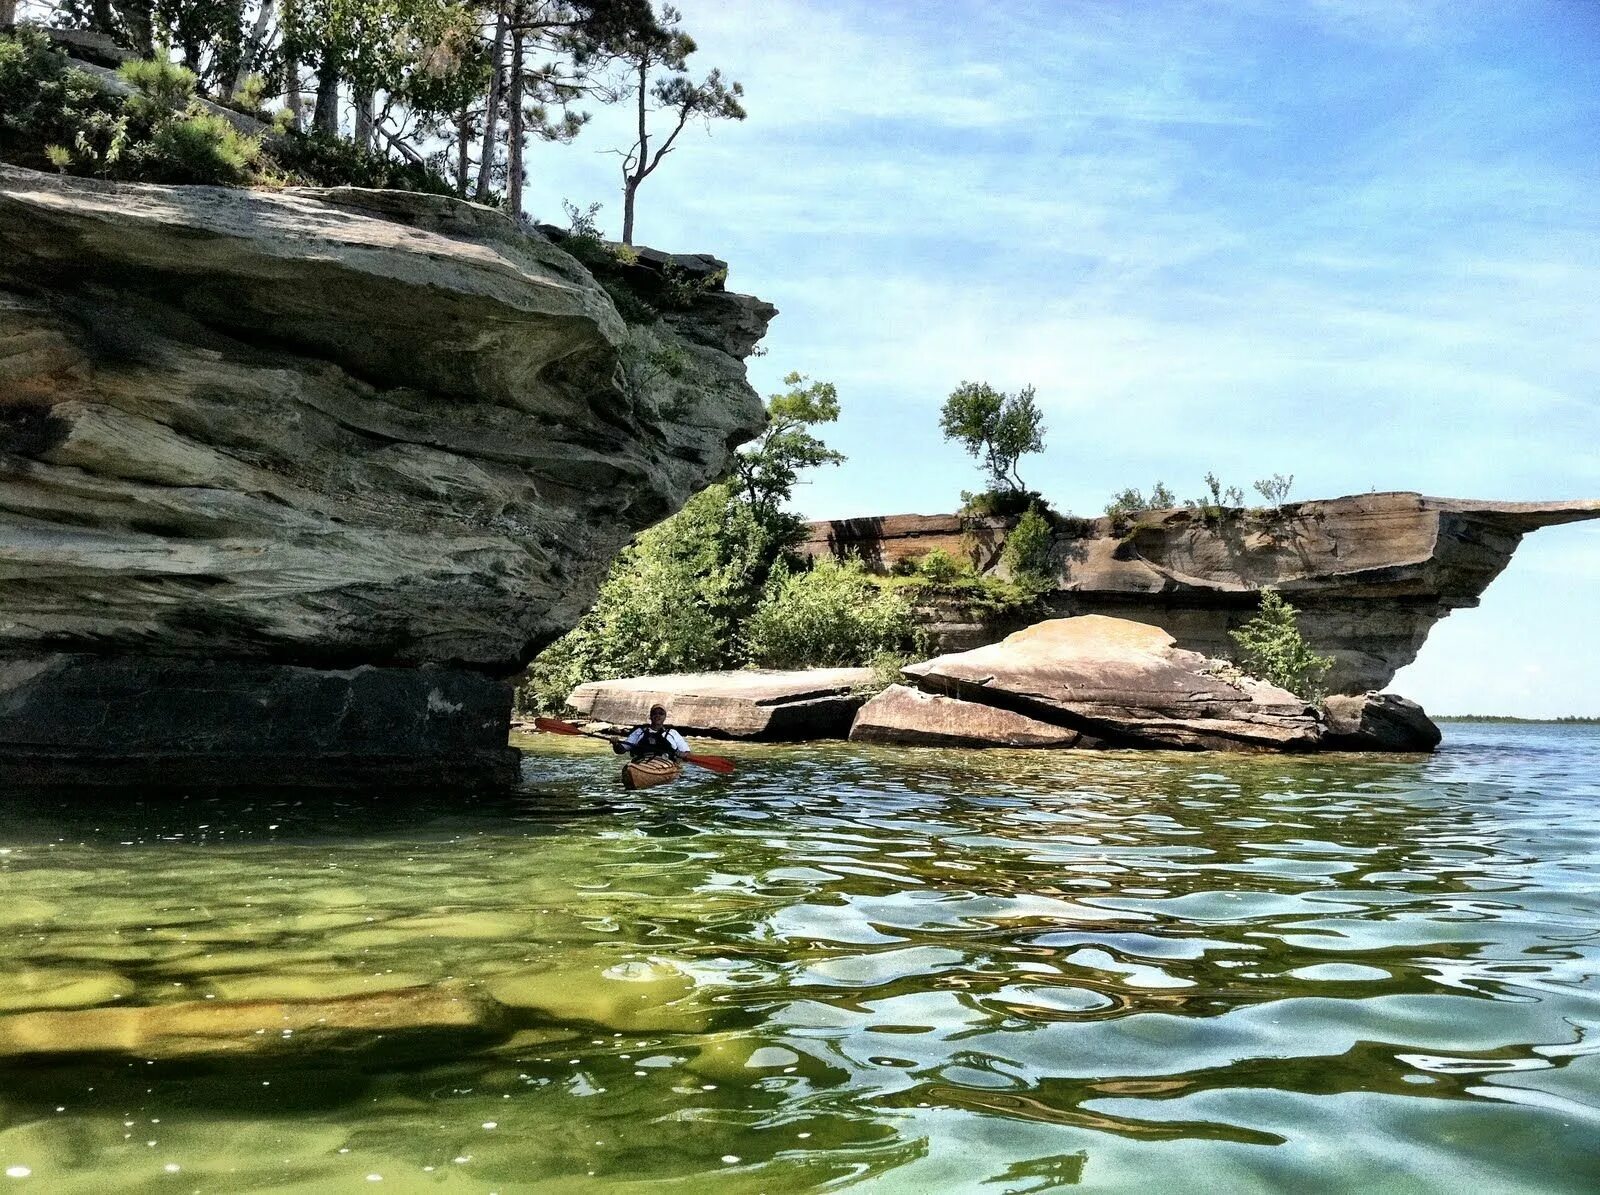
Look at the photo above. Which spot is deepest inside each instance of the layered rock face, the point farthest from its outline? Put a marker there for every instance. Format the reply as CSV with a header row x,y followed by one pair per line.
x,y
306,454
1122,683
767,704
1370,574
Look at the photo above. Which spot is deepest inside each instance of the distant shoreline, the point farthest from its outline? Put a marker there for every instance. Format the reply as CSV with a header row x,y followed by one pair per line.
x,y
1568,720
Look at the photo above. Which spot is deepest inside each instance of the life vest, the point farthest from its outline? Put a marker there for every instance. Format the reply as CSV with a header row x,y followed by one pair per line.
x,y
652,742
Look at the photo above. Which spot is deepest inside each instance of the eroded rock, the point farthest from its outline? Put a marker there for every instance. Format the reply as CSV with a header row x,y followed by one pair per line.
x,y
256,448
907,716
809,703
1125,684
1377,722
1370,573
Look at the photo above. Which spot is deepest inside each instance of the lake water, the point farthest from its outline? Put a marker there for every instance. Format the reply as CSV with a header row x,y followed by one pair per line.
x,y
899,970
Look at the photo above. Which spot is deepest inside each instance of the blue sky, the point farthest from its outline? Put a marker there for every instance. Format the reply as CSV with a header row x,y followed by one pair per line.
x,y
1353,240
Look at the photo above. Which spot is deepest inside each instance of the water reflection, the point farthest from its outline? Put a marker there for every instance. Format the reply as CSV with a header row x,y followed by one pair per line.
x,y
933,970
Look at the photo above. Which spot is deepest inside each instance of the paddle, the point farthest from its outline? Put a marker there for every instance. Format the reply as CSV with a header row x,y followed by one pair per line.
x,y
713,763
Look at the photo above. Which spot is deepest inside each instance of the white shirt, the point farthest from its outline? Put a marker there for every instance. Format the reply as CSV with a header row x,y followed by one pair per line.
x,y
674,740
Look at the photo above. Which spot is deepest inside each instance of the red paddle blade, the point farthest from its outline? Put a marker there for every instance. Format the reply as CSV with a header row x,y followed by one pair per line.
x,y
556,726
715,763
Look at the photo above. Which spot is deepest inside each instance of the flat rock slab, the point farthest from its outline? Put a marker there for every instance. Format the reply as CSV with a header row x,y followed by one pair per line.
x,y
810,703
909,717
1126,683
389,1022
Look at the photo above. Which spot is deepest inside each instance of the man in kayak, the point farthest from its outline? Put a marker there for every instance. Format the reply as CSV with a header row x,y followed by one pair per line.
x,y
656,740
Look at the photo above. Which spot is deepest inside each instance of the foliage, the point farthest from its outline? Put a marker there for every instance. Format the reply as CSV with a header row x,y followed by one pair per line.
x,y
886,670
769,468
674,98
1029,551
674,601
1272,649
997,428
316,159
831,614
651,369
938,567
1275,489
54,116
1131,501
1001,503
1216,501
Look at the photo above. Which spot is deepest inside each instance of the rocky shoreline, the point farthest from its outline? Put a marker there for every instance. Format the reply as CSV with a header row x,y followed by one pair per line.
x,y
1083,682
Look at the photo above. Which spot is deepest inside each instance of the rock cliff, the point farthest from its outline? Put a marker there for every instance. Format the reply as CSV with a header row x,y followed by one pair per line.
x,y
1370,574
274,453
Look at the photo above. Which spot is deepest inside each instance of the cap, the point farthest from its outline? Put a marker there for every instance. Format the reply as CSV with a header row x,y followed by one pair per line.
x,y
657,709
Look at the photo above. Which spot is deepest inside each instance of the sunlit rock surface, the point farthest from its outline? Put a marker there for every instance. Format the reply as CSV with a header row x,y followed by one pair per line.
x,y
1370,573
910,717
1123,683
264,456
751,703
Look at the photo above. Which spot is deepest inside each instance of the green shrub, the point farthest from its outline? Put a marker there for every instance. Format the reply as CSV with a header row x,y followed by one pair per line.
x,y
1131,501
938,567
1001,503
831,615
1272,649
674,601
198,147
54,116
317,160
1029,551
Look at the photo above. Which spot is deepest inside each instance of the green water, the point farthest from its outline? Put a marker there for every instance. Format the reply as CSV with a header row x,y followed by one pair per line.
x,y
893,970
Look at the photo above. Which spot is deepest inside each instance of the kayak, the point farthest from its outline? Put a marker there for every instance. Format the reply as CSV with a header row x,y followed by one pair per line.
x,y
647,773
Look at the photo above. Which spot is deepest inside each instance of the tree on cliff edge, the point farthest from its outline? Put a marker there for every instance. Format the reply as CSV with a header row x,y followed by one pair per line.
x,y
996,428
674,97
770,467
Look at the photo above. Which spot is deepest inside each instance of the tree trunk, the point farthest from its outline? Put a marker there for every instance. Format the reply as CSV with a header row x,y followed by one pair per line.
x,y
8,13
291,65
630,188
514,133
363,130
252,47
463,150
491,111
632,178
325,117
141,27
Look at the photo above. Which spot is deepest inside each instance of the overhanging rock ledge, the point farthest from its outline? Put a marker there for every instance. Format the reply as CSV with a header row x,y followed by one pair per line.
x,y
292,482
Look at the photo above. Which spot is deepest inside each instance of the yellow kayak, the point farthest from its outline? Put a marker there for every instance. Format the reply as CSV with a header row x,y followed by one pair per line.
x,y
647,773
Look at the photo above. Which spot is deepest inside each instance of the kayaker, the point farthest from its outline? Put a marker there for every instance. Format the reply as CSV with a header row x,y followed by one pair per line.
x,y
655,740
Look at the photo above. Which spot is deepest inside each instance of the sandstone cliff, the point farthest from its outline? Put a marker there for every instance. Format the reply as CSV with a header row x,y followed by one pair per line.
x,y
265,455
1370,574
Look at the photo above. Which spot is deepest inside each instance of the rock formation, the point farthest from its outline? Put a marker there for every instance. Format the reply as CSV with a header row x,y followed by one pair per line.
x,y
809,703
1370,574
1122,683
909,717
300,478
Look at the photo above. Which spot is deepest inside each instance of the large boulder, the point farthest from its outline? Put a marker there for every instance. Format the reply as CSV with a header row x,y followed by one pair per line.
x,y
255,446
1370,573
911,717
1377,722
1125,684
809,703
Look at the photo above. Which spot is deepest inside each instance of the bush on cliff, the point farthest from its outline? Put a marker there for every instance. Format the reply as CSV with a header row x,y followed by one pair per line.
x,y
1029,550
1272,649
831,615
673,602
53,116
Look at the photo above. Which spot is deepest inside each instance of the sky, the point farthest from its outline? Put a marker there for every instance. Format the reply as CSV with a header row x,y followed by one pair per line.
x,y
1356,241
